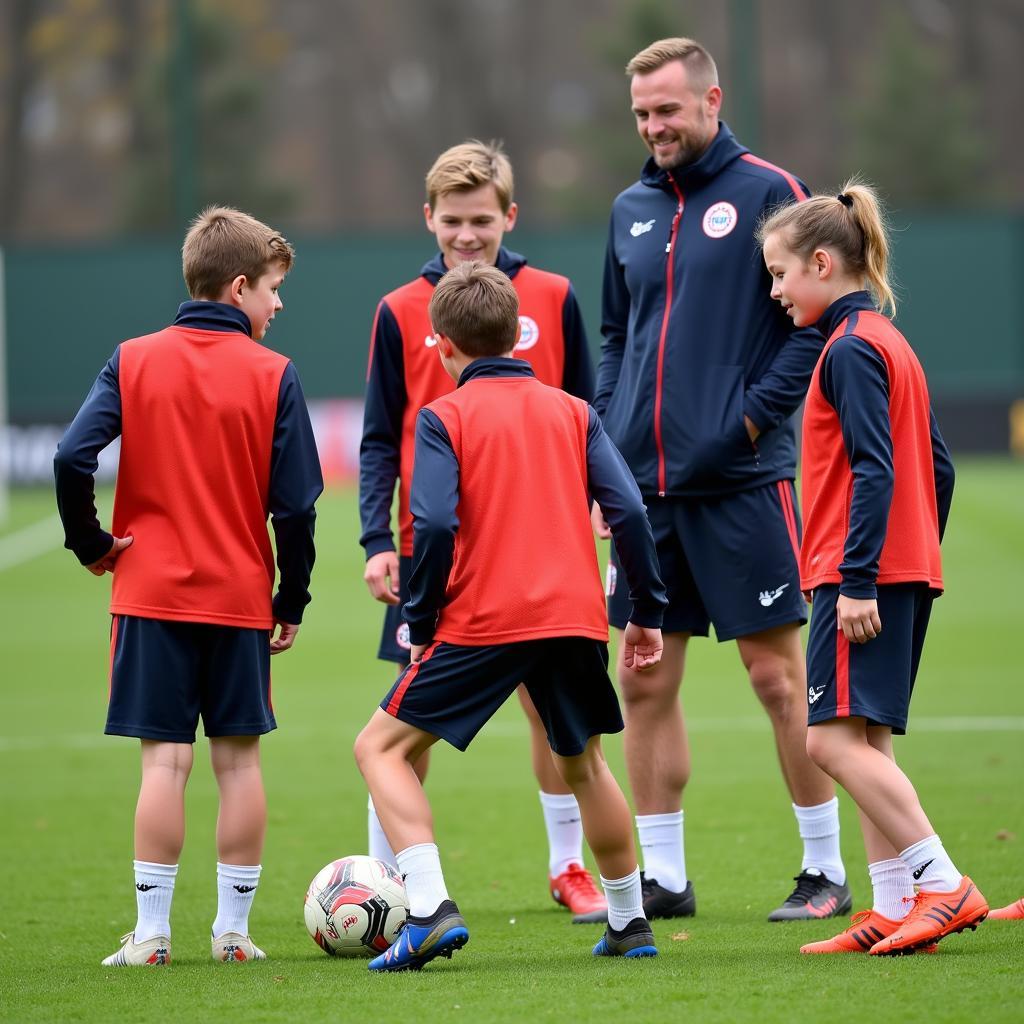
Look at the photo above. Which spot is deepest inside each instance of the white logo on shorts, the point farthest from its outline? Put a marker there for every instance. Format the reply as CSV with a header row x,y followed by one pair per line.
x,y
402,636
641,227
769,597
719,220
611,577
530,334
813,694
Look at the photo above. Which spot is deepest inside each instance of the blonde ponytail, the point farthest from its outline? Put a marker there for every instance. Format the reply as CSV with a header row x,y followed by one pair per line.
x,y
851,223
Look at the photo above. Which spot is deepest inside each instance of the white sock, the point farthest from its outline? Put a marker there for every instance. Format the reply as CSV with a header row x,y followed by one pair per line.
x,y
661,839
891,884
154,890
420,866
930,866
625,901
236,887
819,829
565,831
378,844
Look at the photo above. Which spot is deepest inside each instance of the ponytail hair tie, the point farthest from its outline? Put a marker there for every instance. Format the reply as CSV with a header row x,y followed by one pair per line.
x,y
846,200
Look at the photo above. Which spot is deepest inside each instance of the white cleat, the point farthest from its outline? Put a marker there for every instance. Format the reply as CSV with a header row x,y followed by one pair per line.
x,y
236,947
154,952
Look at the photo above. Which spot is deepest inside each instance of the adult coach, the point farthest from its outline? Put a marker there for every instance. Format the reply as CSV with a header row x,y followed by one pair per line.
x,y
699,374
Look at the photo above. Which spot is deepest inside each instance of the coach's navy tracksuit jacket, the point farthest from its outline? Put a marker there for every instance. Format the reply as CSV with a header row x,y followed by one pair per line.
x,y
692,338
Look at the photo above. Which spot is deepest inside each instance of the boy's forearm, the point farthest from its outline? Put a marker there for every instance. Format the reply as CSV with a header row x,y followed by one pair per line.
x,y
96,424
296,553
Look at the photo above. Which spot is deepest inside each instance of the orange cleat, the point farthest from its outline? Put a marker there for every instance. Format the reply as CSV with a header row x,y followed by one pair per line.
x,y
868,928
933,916
1014,912
574,888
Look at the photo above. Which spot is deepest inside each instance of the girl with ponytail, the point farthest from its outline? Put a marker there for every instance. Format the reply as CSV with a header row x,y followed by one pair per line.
x,y
877,484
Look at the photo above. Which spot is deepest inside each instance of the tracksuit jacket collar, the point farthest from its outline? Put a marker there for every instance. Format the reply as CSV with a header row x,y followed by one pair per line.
x,y
508,262
724,149
495,366
844,306
212,316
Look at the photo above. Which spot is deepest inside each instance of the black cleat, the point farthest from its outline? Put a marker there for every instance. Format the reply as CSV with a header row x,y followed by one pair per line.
x,y
662,902
636,939
815,897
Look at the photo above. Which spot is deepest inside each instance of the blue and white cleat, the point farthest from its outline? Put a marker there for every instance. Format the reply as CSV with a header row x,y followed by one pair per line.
x,y
636,939
424,938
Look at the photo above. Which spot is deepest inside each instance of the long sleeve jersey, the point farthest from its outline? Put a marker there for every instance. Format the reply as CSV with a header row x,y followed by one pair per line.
x,y
503,549
877,476
692,340
215,436
405,374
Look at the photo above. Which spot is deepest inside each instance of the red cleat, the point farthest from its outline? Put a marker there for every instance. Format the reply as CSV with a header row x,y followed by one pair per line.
x,y
933,916
574,888
868,928
1014,912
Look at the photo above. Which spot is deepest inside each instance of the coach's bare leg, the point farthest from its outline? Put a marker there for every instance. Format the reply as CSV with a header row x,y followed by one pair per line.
x,y
544,768
774,660
386,751
242,819
160,812
655,742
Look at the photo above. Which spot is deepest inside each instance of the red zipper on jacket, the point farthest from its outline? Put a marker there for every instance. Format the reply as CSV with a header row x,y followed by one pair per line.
x,y
670,249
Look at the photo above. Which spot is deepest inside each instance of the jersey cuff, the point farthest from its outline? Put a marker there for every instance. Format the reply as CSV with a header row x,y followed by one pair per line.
x,y
94,549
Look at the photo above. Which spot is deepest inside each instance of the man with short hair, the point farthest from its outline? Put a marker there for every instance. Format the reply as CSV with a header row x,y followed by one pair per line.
x,y
699,375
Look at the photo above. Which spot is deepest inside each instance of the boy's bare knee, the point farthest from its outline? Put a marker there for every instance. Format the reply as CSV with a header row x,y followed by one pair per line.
x,y
820,748
365,748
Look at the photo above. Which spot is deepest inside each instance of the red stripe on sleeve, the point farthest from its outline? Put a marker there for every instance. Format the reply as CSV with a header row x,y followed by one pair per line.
x,y
842,675
396,698
793,184
788,513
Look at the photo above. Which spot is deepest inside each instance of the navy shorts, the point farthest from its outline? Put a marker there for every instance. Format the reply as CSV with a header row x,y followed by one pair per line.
x,y
454,690
728,560
165,675
394,640
872,680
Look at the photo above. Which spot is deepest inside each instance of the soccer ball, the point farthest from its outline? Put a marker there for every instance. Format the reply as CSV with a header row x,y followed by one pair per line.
x,y
355,906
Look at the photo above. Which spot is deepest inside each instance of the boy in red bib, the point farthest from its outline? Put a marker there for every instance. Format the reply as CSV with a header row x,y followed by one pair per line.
x,y
877,486
469,208
215,437
505,589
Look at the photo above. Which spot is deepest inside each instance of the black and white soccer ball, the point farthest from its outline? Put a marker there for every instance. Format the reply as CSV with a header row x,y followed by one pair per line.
x,y
355,906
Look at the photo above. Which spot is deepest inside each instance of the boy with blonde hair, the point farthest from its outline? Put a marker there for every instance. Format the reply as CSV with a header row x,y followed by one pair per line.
x,y
504,593
215,437
469,207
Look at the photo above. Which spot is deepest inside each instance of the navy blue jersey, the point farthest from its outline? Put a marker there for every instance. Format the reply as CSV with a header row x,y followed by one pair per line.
x,y
692,339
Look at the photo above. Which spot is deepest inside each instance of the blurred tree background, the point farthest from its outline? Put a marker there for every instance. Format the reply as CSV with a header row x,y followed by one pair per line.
x,y
118,117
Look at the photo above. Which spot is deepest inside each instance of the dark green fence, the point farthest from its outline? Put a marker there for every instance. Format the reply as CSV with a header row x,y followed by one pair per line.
x,y
960,279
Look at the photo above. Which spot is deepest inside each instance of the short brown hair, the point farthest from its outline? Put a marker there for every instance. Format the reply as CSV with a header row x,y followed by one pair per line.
x,y
476,306
700,65
223,243
468,166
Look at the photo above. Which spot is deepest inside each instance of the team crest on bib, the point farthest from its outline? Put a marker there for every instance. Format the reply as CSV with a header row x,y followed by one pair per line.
x,y
530,334
720,219
402,636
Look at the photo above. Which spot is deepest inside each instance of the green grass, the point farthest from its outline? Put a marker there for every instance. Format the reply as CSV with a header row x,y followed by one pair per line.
x,y
68,796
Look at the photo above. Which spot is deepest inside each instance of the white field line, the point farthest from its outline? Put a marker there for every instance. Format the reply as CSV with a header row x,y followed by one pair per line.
x,y
30,542
518,730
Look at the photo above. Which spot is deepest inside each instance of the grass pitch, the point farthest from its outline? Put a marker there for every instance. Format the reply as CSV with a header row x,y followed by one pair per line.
x,y
68,796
